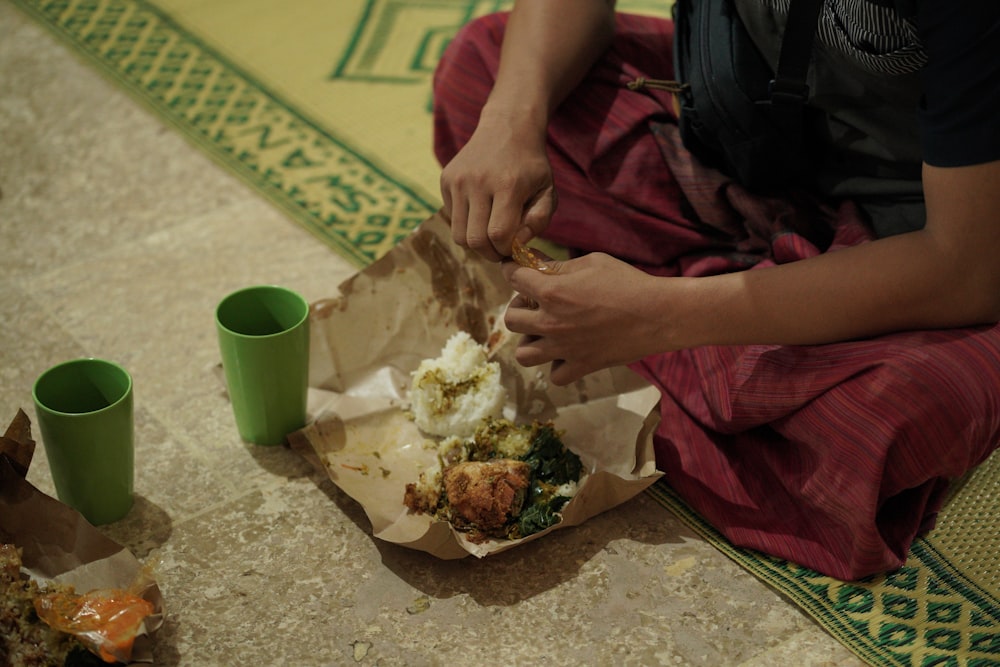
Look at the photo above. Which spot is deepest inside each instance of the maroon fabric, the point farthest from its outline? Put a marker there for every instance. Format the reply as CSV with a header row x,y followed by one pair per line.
x,y
832,456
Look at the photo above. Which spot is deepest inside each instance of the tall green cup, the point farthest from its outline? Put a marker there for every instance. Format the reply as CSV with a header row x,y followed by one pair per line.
x,y
84,410
264,339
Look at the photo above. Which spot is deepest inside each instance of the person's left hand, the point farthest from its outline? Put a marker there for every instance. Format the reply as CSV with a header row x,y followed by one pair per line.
x,y
585,314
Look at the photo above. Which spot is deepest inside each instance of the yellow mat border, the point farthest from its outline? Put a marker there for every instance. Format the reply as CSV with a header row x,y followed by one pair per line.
x,y
318,179
311,175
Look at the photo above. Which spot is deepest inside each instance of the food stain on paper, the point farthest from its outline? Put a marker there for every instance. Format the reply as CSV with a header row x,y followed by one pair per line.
x,y
469,318
444,268
453,286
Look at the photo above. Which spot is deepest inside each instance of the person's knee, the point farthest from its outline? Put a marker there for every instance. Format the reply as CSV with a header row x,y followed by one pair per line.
x,y
949,392
474,45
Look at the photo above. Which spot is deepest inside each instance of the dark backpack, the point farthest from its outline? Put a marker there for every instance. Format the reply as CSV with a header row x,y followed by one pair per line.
x,y
736,113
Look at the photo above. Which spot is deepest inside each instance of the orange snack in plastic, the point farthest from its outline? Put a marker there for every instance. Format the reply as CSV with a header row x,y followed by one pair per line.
x,y
105,621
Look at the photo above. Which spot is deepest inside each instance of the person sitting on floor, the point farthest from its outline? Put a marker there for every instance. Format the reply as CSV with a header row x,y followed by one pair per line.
x,y
828,362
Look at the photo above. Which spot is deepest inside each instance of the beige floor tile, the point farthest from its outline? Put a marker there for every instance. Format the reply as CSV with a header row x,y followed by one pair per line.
x,y
810,648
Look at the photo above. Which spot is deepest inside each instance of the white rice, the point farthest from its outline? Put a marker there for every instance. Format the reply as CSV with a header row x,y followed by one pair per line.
x,y
453,393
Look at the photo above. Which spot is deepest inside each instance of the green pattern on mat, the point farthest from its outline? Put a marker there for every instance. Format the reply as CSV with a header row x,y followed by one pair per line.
x,y
941,608
317,178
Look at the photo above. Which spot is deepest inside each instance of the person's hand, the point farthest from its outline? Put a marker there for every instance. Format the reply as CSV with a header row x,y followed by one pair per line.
x,y
497,187
585,314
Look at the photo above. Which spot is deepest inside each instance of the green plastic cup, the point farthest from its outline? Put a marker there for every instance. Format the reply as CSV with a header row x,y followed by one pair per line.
x,y
264,340
84,410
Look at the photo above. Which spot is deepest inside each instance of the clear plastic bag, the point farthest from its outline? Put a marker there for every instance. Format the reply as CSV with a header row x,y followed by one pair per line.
x,y
105,621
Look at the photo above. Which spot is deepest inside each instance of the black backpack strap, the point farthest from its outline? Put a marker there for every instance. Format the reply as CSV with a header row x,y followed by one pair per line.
x,y
789,83
738,112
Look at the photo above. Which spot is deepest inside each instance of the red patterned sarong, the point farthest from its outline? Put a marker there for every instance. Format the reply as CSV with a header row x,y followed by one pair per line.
x,y
833,456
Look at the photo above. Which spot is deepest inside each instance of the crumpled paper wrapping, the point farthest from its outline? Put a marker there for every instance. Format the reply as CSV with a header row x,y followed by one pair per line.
x,y
401,310
58,544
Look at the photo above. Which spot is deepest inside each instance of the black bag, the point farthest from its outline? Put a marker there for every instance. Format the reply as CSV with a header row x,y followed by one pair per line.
x,y
736,113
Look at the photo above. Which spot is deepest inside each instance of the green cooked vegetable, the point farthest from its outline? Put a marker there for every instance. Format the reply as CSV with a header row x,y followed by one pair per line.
x,y
539,513
549,458
552,465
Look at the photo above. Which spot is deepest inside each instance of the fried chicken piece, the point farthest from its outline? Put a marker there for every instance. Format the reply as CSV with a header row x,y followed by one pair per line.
x,y
424,495
484,495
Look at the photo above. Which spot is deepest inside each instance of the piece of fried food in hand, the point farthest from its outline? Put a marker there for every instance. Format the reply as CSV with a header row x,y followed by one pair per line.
x,y
486,494
527,257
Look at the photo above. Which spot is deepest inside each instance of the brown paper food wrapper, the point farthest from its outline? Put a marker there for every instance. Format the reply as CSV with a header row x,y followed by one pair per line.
x,y
58,545
401,310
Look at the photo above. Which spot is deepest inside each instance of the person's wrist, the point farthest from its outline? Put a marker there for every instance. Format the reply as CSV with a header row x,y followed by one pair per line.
x,y
672,309
522,119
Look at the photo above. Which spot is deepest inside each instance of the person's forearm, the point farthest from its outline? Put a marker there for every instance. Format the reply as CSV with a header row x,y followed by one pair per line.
x,y
898,283
549,45
945,275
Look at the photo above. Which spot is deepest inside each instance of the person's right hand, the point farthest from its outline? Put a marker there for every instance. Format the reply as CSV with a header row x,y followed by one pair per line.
x,y
498,187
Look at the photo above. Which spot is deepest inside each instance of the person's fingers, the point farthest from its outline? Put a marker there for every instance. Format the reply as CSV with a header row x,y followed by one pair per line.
x,y
505,220
536,216
532,351
477,231
446,201
521,316
527,267
522,301
459,218
563,373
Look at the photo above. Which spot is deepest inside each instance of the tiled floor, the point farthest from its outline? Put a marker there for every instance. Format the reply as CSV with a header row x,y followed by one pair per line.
x,y
117,240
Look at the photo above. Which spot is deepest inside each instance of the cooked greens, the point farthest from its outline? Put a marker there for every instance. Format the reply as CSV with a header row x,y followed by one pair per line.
x,y
550,460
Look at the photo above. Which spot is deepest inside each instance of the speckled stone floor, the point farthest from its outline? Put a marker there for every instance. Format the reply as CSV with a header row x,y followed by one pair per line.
x,y
117,240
